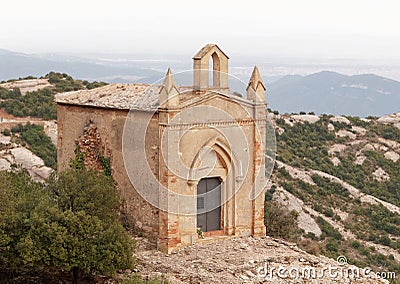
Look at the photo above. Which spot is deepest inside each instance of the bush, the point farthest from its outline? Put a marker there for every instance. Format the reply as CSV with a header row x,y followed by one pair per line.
x,y
280,222
9,94
328,212
356,244
280,121
305,145
311,235
388,132
269,193
6,132
331,246
384,240
70,224
327,229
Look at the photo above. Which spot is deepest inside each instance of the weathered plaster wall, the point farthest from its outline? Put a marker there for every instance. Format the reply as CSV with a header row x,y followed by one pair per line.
x,y
72,121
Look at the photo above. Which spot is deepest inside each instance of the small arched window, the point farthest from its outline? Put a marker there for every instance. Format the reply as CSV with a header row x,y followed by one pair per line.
x,y
216,70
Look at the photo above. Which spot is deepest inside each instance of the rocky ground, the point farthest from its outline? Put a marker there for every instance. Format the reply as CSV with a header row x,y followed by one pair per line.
x,y
247,260
16,155
12,153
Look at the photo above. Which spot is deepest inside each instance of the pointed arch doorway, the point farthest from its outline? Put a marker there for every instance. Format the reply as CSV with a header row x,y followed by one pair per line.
x,y
209,204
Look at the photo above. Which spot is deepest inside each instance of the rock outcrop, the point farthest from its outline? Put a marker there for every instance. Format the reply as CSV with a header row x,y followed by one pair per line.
x,y
21,156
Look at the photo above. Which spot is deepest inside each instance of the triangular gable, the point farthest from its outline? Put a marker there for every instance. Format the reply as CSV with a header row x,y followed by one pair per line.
x,y
206,49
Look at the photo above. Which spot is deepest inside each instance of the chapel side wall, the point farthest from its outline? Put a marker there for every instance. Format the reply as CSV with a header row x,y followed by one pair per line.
x,y
72,121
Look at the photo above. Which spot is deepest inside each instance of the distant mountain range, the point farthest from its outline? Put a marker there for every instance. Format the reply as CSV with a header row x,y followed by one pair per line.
x,y
16,65
334,93
323,92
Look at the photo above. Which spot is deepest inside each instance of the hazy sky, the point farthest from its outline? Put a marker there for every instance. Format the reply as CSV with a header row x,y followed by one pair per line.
x,y
339,28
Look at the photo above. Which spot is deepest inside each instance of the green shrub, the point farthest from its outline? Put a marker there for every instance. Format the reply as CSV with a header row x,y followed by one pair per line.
x,y
64,82
9,94
310,235
280,121
328,212
327,229
6,132
356,244
280,222
270,193
70,223
331,246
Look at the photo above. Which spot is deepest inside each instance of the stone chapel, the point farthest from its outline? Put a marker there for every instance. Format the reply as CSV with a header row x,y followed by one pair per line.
x,y
189,160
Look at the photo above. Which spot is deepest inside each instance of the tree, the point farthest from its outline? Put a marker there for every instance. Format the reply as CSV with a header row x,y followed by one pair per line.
x,y
85,224
19,196
71,224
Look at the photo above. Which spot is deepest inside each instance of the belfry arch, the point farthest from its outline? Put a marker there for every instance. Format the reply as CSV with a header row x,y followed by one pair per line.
x,y
216,64
219,69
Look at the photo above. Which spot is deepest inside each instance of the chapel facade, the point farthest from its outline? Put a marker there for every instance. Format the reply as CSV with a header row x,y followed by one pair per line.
x,y
189,160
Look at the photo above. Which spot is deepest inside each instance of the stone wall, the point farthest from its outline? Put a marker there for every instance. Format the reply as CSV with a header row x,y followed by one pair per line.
x,y
77,123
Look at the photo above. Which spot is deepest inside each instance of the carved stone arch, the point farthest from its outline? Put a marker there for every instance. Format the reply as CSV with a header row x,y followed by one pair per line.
x,y
230,179
228,158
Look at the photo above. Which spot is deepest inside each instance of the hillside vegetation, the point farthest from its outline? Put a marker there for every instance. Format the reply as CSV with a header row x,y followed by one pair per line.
x,y
41,103
35,139
343,174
